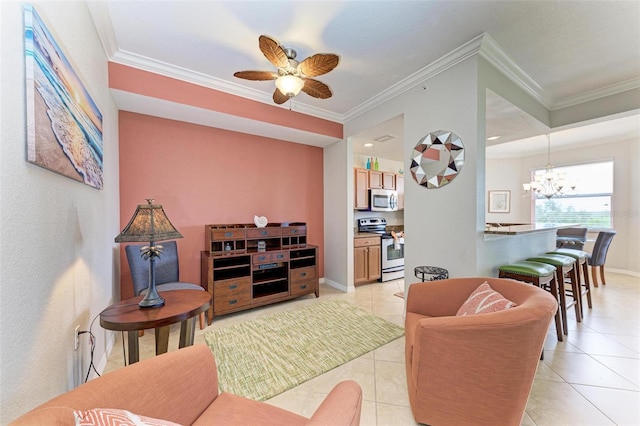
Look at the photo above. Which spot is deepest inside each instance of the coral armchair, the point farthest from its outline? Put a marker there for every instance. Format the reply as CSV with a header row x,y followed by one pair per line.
x,y
182,387
477,369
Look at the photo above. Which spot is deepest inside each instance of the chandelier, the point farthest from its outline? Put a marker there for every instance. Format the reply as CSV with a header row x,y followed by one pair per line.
x,y
547,183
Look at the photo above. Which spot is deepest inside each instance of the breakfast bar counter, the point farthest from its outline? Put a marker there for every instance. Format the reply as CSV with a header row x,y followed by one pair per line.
x,y
505,243
523,228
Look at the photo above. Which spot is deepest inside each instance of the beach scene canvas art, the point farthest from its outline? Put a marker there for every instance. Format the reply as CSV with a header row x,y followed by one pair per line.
x,y
64,125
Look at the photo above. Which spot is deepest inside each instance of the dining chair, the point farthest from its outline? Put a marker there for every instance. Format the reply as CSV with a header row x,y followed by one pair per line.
x,y
166,268
571,238
598,256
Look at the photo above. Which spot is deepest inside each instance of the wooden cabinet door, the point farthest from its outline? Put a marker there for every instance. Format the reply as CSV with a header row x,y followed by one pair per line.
x,y
388,180
375,179
361,196
400,190
375,262
361,273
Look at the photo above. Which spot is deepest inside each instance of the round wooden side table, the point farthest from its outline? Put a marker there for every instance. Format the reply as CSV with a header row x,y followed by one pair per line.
x,y
180,306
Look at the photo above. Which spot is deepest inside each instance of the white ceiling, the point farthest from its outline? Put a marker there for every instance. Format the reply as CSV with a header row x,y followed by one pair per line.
x,y
572,50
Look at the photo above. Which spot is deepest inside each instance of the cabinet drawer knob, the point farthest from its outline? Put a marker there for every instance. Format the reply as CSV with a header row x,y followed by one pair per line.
x,y
233,302
233,286
263,232
262,257
303,274
302,287
228,234
294,231
279,256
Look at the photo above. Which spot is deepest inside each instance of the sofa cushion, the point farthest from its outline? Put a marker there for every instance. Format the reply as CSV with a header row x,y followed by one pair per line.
x,y
484,300
115,417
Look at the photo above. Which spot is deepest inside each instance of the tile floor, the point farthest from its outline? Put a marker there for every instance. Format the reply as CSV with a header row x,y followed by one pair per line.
x,y
592,378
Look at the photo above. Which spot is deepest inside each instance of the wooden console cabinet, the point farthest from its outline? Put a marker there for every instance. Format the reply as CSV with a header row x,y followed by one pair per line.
x,y
245,267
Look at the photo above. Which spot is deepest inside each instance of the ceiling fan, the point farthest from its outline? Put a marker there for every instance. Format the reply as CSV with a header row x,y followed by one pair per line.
x,y
292,76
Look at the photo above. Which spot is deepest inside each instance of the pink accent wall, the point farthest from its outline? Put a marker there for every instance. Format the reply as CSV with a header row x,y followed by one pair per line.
x,y
146,83
203,175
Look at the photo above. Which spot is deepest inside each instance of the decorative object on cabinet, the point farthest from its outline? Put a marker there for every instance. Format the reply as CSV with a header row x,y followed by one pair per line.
x,y
149,223
499,201
60,111
437,159
263,266
260,221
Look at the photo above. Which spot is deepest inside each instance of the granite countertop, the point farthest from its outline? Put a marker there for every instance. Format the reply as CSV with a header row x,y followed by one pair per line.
x,y
523,228
365,234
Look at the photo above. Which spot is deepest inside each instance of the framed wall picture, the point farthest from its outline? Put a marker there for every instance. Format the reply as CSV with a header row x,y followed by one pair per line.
x,y
64,124
499,201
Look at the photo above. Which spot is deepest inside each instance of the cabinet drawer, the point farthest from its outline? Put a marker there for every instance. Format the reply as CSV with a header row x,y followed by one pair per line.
x,y
227,234
366,241
280,256
294,231
302,274
262,257
231,294
302,287
269,257
264,232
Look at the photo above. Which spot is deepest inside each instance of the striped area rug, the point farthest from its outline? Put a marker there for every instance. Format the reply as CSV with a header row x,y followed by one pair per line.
x,y
261,358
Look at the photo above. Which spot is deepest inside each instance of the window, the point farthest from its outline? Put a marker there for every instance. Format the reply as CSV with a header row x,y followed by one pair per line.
x,y
589,204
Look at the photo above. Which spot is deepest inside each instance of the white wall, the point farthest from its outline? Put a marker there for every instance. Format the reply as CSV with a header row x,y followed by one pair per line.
x,y
56,235
338,227
440,224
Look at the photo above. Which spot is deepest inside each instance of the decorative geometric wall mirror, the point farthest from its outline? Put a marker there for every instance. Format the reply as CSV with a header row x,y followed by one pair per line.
x,y
437,159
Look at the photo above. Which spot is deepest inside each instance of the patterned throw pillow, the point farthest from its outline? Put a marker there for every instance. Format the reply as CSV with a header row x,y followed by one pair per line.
x,y
113,417
484,300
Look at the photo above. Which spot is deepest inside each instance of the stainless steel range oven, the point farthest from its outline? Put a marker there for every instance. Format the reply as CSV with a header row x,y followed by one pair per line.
x,y
392,248
392,258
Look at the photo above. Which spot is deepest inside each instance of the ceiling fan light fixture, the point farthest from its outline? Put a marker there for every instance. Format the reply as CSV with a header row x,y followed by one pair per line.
x,y
289,85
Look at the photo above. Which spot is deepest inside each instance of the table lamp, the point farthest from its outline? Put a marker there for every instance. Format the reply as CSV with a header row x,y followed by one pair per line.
x,y
149,223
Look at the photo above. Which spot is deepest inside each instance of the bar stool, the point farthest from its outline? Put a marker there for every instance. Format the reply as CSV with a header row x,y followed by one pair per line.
x,y
564,265
581,263
540,275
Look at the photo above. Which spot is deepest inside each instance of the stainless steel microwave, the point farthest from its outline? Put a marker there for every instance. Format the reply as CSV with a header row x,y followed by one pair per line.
x,y
383,200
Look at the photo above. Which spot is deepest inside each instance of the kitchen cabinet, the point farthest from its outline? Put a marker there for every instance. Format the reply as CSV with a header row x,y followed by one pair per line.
x,y
375,179
367,260
388,180
400,190
361,184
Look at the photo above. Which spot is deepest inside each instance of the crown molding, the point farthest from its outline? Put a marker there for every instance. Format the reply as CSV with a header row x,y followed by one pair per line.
x,y
496,56
442,64
602,92
99,11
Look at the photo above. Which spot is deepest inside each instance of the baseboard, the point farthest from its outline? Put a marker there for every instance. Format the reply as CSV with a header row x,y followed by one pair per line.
x,y
111,338
623,272
337,286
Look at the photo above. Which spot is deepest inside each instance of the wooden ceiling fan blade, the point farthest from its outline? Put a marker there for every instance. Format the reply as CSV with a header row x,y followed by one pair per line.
x,y
318,64
272,50
316,89
256,75
279,98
